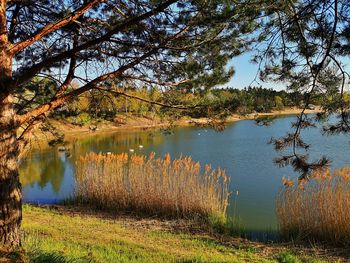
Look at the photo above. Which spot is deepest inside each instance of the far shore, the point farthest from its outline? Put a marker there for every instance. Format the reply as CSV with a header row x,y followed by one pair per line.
x,y
133,123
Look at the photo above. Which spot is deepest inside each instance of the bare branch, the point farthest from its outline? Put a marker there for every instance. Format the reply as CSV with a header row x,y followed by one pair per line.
x,y
90,85
54,26
150,81
121,93
69,78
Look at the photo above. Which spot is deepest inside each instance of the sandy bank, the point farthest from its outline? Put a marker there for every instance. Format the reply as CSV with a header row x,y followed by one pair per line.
x,y
129,123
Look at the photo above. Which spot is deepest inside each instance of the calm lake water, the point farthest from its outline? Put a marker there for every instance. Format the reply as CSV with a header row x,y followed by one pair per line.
x,y
241,149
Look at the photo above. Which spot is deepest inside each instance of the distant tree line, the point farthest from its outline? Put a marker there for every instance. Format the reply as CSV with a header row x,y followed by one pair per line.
x,y
98,104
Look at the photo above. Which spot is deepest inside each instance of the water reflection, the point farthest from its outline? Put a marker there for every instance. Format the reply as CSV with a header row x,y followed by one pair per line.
x,y
47,175
242,150
43,171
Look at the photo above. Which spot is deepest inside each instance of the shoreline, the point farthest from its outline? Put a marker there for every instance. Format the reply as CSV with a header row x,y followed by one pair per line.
x,y
133,123
150,124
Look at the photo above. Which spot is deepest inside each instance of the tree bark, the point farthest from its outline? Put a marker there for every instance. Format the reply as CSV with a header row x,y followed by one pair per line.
x,y
10,187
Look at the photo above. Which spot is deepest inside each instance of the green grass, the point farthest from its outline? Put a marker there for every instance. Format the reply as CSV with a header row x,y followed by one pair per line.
x,y
290,257
59,236
226,225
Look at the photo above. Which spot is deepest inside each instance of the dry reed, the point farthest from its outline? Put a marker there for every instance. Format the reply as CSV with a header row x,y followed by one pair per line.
x,y
159,186
318,209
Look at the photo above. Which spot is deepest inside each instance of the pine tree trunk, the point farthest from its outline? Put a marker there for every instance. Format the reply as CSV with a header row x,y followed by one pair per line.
x,y
10,187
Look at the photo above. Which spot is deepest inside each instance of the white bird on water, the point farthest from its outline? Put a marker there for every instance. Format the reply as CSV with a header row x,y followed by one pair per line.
x,y
140,146
131,150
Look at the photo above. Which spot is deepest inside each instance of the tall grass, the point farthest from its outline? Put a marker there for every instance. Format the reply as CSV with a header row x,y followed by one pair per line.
x,y
318,209
159,186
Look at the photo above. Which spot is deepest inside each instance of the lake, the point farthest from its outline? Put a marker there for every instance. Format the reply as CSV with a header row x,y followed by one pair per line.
x,y
241,149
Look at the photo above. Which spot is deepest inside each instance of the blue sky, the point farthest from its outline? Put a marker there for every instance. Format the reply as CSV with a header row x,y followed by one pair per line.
x,y
245,73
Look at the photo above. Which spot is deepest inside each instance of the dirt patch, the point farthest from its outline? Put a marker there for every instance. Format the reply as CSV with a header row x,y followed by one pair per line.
x,y
12,255
133,220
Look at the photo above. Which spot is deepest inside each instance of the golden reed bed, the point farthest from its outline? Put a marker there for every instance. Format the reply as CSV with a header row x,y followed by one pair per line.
x,y
158,186
317,209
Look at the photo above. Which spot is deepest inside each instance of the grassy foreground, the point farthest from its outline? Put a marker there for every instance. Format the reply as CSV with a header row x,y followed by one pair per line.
x,y
69,235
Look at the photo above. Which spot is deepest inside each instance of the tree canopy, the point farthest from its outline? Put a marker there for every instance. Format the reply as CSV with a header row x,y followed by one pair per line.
x,y
170,43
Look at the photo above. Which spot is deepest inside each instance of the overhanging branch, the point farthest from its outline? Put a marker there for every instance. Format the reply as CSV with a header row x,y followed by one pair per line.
x,y
54,26
91,85
121,93
31,72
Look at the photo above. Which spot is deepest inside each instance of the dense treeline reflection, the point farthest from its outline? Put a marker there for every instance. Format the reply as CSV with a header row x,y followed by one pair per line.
x,y
46,167
42,171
